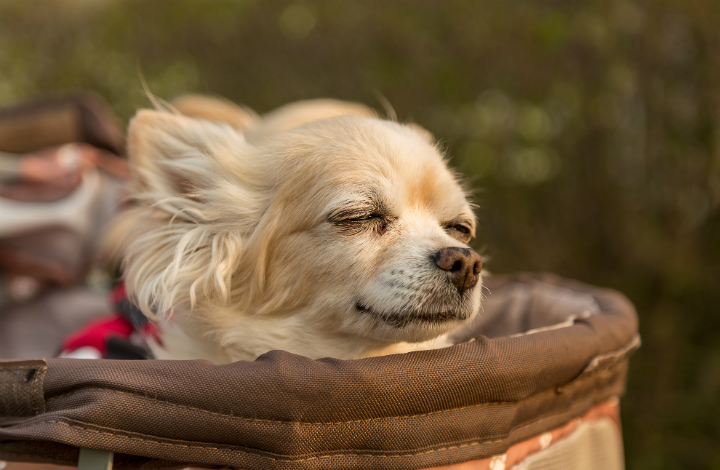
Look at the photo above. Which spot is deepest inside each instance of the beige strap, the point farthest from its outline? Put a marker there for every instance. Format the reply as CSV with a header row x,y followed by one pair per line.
x,y
91,459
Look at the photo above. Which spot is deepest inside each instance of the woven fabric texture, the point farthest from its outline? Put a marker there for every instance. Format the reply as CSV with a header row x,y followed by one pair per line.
x,y
282,411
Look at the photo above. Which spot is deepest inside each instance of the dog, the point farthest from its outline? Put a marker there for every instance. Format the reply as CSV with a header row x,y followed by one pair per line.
x,y
320,229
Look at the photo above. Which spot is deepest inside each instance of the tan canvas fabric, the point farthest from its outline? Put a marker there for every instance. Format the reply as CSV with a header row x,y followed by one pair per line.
x,y
591,442
594,445
423,409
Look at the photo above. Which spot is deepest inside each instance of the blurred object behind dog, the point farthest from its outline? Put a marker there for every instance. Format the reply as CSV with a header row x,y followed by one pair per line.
x,y
61,181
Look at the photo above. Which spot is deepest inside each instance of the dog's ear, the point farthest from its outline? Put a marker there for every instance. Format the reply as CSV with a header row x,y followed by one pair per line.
x,y
422,132
168,156
177,156
195,188
299,113
216,110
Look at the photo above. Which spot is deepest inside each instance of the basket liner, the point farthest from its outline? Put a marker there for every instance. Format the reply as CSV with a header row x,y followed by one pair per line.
x,y
283,411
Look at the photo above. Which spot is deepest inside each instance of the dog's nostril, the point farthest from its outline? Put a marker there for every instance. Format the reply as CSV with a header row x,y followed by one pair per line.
x,y
463,266
477,267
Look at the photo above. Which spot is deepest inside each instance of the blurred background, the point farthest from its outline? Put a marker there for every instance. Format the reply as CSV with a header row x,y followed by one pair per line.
x,y
589,129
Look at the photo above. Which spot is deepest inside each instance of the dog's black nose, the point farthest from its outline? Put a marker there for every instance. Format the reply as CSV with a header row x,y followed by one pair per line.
x,y
462,264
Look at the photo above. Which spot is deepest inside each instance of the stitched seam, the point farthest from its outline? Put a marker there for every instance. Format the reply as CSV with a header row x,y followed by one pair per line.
x,y
236,451
36,404
308,423
37,398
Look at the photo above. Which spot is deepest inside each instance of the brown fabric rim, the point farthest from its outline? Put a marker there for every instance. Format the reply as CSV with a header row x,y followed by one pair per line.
x,y
55,120
515,454
422,409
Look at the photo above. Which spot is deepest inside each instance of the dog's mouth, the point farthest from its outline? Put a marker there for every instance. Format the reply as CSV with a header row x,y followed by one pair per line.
x,y
409,317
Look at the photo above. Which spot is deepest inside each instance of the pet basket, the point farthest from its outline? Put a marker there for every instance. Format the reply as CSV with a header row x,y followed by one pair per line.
x,y
538,390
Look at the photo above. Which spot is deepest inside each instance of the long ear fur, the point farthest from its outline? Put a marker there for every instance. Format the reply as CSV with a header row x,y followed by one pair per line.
x,y
298,113
180,245
216,110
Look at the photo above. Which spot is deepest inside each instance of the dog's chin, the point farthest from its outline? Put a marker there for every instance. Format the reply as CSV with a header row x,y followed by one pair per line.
x,y
413,325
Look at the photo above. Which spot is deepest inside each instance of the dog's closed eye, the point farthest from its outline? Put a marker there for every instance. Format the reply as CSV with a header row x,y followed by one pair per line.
x,y
462,231
352,222
370,215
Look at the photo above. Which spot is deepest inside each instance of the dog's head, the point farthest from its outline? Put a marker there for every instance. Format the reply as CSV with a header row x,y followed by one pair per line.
x,y
353,223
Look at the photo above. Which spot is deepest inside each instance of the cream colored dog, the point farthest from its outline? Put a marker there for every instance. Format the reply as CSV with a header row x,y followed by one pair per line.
x,y
318,229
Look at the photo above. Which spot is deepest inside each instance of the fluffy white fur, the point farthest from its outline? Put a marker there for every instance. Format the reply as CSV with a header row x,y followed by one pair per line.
x,y
311,230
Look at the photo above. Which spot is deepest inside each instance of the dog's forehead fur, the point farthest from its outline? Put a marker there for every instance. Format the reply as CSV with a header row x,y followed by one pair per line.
x,y
351,159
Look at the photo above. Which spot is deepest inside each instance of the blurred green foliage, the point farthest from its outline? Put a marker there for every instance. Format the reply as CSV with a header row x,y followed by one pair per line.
x,y
591,130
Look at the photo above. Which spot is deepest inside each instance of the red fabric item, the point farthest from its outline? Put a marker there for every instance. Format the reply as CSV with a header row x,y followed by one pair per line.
x,y
96,333
118,294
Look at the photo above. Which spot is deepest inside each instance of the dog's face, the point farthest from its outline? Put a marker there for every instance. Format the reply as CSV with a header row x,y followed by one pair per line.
x,y
353,224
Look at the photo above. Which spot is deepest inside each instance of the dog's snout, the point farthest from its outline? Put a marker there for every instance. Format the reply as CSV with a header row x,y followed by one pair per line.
x,y
463,265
